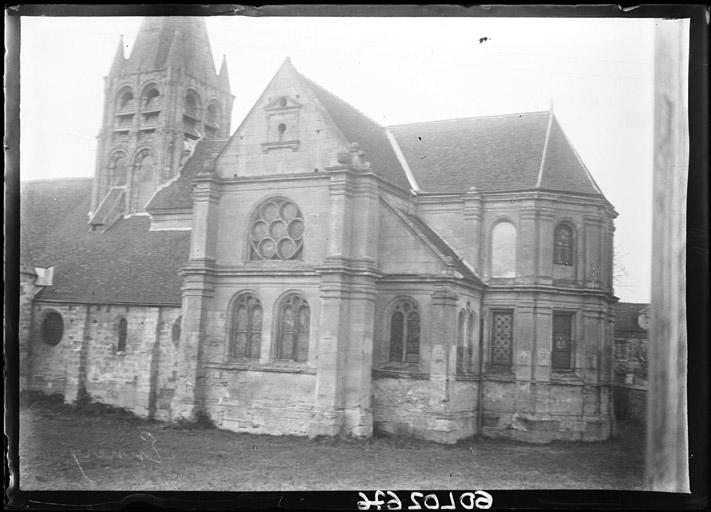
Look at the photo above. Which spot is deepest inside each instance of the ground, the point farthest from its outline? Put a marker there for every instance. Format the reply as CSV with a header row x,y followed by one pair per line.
x,y
92,448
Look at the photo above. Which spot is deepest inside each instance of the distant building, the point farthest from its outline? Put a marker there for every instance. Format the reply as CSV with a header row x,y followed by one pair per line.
x,y
631,337
315,273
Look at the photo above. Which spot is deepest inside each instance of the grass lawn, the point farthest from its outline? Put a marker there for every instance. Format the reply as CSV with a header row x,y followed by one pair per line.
x,y
65,448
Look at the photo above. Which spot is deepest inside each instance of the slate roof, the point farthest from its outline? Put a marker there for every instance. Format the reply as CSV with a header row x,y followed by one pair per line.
x,y
178,194
439,244
626,314
371,137
497,153
126,264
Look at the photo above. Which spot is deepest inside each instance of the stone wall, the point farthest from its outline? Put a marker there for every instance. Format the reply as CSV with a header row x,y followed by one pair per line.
x,y
140,378
414,407
259,401
546,411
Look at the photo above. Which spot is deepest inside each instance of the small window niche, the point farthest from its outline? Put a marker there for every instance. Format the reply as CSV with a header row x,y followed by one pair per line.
x,y
282,117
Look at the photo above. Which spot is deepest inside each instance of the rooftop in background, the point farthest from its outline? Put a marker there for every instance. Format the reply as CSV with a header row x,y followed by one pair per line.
x,y
127,264
627,317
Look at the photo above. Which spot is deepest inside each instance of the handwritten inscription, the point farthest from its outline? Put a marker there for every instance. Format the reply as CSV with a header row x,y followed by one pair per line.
x,y
469,500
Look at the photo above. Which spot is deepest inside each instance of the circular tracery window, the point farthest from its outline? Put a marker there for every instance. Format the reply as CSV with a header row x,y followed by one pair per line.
x,y
277,231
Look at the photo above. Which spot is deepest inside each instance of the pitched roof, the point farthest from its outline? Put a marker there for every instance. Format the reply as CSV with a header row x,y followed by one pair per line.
x,y
178,194
626,314
441,246
497,153
371,137
126,264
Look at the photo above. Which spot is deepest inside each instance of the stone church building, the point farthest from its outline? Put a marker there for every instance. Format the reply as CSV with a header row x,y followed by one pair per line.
x,y
315,273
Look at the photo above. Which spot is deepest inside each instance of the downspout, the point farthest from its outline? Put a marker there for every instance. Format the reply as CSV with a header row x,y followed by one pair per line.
x,y
480,391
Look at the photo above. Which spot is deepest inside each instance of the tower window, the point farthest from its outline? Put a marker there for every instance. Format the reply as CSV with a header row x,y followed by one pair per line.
x,y
282,129
151,98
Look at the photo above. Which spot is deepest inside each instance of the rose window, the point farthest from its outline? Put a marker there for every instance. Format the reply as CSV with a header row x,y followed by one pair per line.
x,y
277,231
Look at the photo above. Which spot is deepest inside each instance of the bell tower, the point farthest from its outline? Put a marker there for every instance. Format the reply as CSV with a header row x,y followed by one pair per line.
x,y
158,103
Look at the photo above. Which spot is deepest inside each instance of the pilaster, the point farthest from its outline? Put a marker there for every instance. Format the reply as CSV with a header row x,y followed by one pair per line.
x,y
472,232
443,336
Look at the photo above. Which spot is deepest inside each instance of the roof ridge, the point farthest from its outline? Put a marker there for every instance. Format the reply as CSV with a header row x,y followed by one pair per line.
x,y
468,118
545,149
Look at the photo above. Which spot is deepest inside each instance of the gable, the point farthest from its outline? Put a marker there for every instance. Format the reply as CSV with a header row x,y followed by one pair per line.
x,y
315,126
286,132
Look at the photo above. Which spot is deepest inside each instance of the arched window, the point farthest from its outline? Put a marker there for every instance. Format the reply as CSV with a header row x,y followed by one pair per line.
x,y
246,327
503,250
293,328
122,328
405,332
125,100
175,331
52,328
213,115
143,180
563,250
151,98
276,231
192,103
117,170
462,345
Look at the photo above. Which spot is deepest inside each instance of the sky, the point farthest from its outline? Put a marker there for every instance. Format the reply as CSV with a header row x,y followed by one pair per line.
x,y
598,74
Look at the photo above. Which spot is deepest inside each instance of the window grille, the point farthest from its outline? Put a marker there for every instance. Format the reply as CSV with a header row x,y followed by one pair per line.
x,y
502,338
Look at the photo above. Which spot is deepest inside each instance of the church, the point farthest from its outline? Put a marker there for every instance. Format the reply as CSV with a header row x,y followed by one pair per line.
x,y
313,272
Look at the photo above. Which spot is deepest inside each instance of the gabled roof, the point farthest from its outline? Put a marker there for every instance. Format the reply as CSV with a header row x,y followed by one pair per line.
x,y
626,314
497,153
125,265
178,194
371,137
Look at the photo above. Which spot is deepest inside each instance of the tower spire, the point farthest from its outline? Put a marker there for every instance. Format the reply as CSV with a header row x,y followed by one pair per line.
x,y
223,77
119,59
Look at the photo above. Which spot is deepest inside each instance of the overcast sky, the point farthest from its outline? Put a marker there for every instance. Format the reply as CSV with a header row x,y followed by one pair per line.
x,y
597,72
